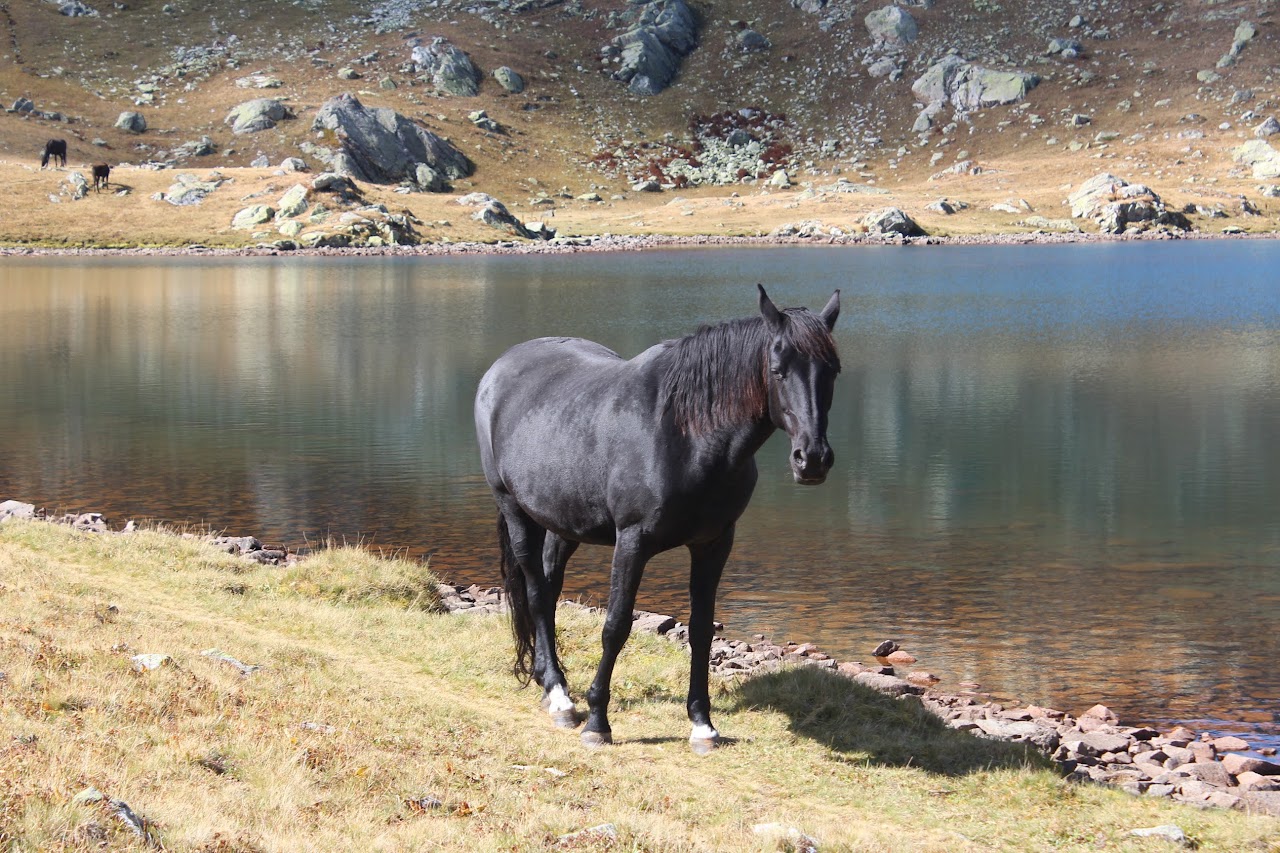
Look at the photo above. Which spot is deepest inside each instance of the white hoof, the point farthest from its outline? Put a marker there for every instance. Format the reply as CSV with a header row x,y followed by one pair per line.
x,y
703,739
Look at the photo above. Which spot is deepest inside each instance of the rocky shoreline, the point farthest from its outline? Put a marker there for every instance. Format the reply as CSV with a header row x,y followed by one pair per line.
x,y
626,243
1197,769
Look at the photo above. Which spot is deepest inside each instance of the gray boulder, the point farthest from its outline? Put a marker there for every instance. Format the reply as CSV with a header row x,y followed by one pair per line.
x,y
293,202
449,67
509,79
1068,48
76,9
16,509
892,26
495,214
22,105
131,121
252,216
968,87
1269,127
750,41
189,190
651,51
1117,205
201,147
383,147
258,114
429,180
891,220
1260,157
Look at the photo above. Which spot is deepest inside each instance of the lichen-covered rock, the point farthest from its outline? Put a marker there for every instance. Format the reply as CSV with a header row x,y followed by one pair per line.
x,y
131,121
381,146
509,79
891,220
1260,157
495,214
968,87
892,26
664,33
252,216
256,115
293,202
449,67
1117,205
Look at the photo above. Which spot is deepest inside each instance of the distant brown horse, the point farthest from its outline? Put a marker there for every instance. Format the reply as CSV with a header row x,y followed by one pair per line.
x,y
101,174
56,149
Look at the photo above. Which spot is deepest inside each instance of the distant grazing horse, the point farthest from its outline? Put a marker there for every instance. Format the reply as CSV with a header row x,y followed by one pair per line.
x,y
101,174
56,149
645,455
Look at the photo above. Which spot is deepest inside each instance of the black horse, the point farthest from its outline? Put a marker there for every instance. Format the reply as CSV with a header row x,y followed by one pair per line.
x,y
101,176
55,149
645,455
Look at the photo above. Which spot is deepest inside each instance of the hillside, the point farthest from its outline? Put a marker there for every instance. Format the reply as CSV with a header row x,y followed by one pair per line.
x,y
1159,94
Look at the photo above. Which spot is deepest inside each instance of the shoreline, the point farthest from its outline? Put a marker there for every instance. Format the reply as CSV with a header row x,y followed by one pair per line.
x,y
624,243
1094,746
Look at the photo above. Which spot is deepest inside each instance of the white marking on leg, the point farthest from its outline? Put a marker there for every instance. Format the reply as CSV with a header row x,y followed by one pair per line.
x,y
704,733
558,700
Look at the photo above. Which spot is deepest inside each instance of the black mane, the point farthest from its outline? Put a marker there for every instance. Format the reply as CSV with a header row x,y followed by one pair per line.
x,y
718,375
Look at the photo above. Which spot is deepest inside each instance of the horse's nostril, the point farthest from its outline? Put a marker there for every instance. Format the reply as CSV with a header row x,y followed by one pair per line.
x,y
797,456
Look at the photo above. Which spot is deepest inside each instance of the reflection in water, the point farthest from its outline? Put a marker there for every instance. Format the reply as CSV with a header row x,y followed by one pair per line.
x,y
1054,476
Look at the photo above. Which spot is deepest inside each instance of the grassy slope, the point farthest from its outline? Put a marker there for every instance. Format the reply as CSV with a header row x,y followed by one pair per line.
x,y
78,66
421,705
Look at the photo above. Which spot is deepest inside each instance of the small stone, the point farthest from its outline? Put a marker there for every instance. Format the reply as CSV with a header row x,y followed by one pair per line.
x,y
598,833
1169,832
147,662
900,657
1229,743
1236,764
88,796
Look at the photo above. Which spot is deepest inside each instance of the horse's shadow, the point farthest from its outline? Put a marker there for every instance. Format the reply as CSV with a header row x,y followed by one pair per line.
x,y
865,726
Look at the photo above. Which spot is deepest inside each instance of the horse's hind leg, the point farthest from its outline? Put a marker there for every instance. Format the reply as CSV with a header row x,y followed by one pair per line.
x,y
706,565
556,552
540,557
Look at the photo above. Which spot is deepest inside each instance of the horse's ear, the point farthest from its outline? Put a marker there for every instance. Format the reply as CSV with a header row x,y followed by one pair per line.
x,y
772,316
832,311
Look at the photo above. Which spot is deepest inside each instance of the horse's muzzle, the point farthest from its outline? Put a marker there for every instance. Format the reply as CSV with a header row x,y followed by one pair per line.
x,y
809,467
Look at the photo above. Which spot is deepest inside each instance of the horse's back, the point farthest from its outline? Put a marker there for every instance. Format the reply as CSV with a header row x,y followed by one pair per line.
x,y
550,416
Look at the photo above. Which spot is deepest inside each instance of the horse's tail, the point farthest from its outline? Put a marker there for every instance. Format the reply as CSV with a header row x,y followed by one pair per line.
x,y
517,605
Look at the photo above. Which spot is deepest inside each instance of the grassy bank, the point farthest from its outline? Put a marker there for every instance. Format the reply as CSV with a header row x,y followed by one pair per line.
x,y
376,722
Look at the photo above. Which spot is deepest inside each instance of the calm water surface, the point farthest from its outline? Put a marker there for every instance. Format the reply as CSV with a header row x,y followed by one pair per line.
x,y
1057,468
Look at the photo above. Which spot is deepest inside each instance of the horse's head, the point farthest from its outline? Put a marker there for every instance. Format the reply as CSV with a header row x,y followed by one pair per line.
x,y
802,367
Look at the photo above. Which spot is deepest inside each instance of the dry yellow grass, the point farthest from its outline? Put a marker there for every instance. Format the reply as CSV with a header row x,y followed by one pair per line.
x,y
374,724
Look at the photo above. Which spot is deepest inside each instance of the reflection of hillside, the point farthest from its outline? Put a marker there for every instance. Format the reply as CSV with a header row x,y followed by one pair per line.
x,y
1108,440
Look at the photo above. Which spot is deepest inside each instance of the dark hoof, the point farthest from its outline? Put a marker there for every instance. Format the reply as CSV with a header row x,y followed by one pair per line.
x,y
703,745
596,739
566,719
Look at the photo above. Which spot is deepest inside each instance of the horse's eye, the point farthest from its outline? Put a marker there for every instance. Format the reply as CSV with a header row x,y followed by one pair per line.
x,y
777,371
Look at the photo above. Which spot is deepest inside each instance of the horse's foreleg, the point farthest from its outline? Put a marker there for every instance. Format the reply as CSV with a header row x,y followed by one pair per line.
x,y
542,600
629,558
706,564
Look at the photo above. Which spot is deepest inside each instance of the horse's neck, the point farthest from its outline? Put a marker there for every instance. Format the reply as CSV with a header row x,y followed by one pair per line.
x,y
736,444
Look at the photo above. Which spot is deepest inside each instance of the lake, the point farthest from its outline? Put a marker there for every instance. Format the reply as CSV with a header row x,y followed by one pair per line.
x,y
1057,467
